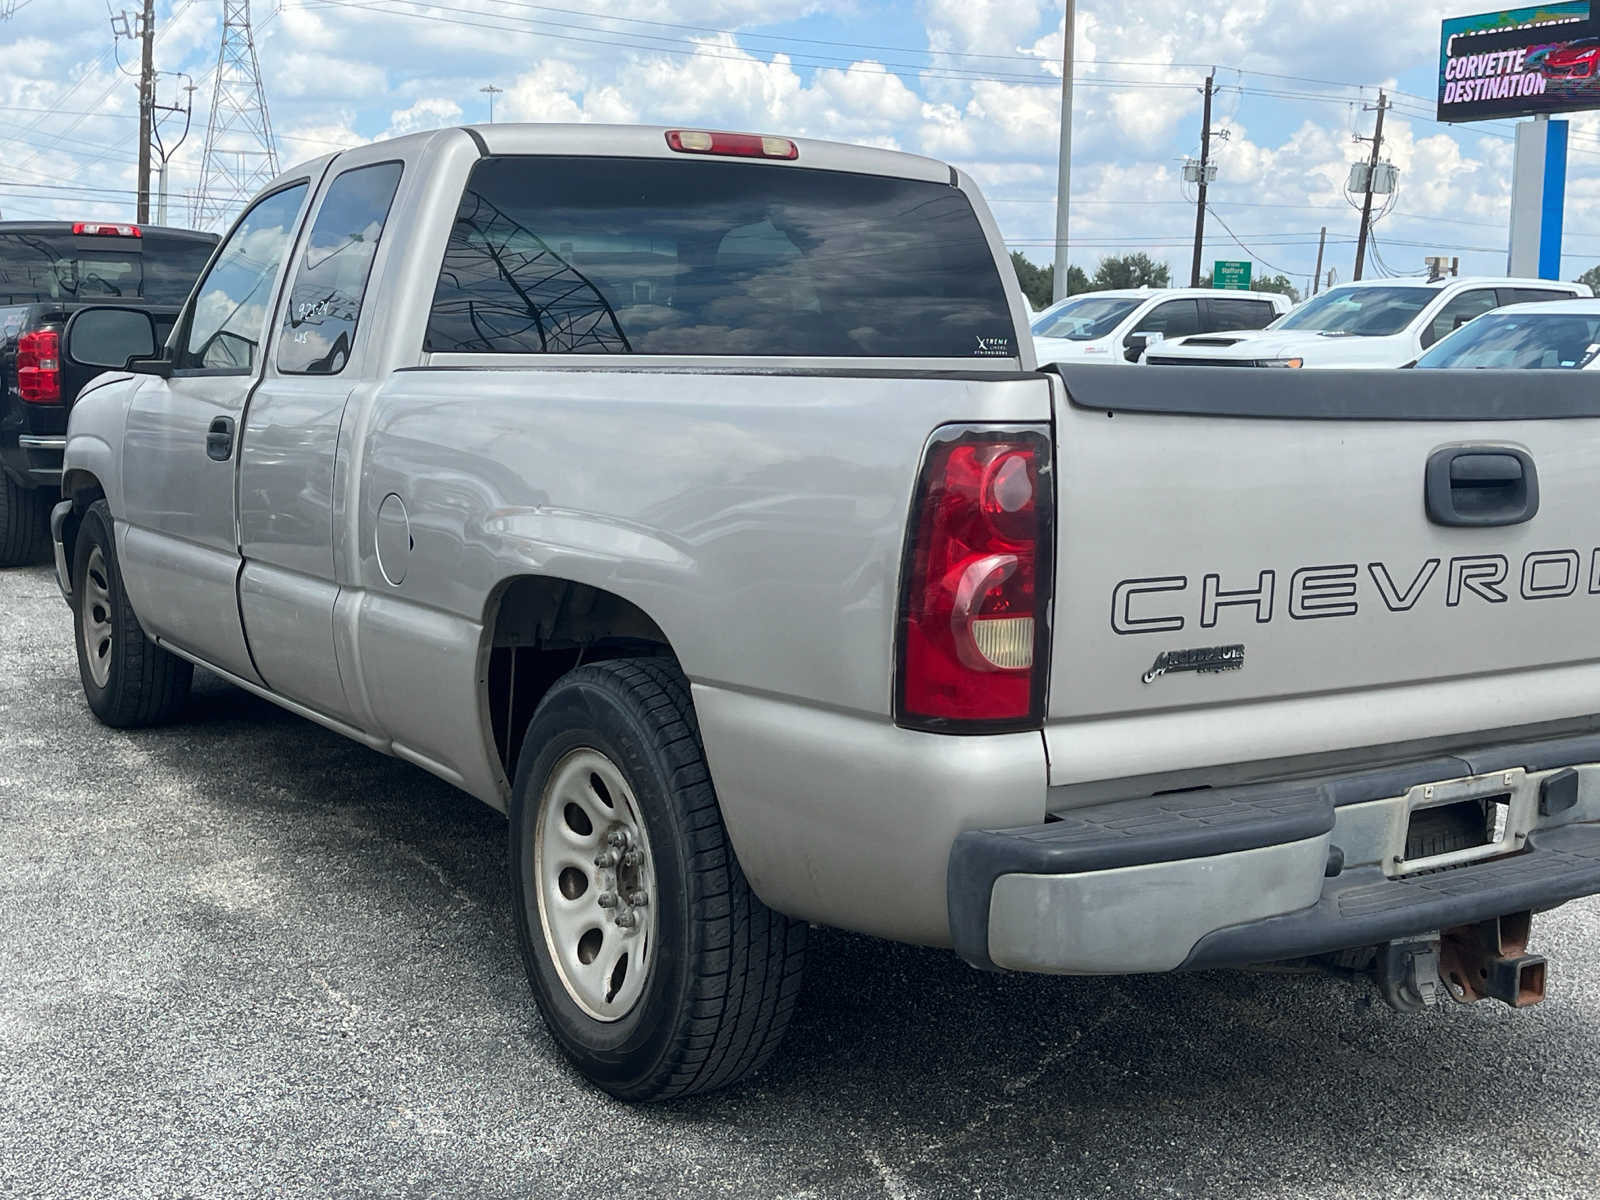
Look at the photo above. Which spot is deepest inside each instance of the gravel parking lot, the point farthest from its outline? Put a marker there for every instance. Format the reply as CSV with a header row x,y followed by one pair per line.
x,y
244,957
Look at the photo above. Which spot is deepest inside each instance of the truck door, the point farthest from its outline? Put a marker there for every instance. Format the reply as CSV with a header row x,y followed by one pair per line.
x,y
287,464
180,546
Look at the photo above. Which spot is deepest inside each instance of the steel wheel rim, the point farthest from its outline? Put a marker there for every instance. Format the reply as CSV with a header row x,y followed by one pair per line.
x,y
593,877
94,617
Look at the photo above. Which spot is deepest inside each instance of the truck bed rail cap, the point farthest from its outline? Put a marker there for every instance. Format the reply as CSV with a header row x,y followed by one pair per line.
x,y
1333,395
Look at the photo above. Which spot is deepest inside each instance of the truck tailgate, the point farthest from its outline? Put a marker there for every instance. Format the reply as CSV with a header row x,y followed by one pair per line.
x,y
1249,568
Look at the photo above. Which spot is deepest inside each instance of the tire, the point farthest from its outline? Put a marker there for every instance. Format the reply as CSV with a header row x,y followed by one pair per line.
x,y
128,680
715,973
24,523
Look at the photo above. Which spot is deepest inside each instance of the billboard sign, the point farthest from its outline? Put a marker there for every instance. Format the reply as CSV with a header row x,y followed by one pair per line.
x,y
1520,62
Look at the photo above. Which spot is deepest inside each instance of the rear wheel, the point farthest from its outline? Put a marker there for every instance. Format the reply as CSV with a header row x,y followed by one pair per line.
x,y
657,970
128,680
24,523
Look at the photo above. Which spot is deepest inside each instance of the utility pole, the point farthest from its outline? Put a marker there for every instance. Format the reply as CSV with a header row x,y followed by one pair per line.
x,y
166,154
1322,244
1372,174
147,103
1064,154
1205,166
491,91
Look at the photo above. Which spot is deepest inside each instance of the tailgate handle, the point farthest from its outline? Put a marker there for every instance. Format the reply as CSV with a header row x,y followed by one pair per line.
x,y
1481,485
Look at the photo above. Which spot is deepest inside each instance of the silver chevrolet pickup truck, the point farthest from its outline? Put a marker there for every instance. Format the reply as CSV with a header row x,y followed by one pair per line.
x,y
693,498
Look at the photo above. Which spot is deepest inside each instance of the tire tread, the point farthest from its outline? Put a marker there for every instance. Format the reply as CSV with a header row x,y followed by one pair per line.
x,y
149,685
748,960
24,524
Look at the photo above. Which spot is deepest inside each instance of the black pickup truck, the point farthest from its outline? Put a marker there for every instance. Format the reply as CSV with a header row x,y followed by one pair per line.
x,y
49,269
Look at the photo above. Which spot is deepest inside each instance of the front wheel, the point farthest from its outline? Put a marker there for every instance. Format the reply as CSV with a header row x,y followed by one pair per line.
x,y
128,680
657,970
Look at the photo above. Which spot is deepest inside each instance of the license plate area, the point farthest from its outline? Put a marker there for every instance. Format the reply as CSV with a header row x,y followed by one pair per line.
x,y
1462,821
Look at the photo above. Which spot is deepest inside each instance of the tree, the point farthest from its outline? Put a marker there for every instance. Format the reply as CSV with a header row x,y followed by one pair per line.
x,y
1282,285
1130,271
1592,278
1038,283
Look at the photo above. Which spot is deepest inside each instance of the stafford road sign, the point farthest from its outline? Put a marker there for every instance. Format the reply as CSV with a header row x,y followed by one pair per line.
x,y
1234,276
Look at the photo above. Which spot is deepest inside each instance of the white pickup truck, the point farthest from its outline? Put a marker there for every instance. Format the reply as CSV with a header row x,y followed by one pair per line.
x,y
693,498
1376,323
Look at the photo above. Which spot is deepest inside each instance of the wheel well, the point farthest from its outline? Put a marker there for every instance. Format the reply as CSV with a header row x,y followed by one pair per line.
x,y
83,489
541,628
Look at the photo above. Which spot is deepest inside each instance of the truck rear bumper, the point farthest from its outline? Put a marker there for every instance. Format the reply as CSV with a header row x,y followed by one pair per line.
x,y
1268,873
36,459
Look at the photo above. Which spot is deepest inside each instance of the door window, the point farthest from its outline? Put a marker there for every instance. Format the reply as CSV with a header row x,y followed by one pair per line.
x,y
1239,314
1531,295
1174,319
231,303
331,280
1458,312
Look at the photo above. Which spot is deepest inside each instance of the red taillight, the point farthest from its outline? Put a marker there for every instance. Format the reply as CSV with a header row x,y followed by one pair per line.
x,y
39,367
105,229
735,145
972,633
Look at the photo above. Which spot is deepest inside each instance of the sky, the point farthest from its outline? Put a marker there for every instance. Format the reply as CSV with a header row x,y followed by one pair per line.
x,y
972,82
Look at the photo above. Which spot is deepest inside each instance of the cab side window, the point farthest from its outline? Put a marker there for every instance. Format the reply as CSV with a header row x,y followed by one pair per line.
x,y
232,302
1532,295
1458,312
331,280
1174,319
1239,314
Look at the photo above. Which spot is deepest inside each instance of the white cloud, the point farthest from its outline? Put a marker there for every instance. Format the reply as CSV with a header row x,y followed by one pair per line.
x,y
428,113
338,75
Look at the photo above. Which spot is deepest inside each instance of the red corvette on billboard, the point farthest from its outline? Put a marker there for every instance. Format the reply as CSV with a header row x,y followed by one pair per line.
x,y
1567,62
1520,62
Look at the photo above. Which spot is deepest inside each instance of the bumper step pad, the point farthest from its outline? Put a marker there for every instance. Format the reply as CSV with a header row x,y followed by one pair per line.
x,y
1156,829
1363,907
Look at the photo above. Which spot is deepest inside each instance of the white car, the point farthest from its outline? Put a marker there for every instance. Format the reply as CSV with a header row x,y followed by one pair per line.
x,y
1376,323
1117,326
1559,335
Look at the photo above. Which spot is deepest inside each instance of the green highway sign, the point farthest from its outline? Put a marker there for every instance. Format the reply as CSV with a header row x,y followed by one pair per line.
x,y
1234,276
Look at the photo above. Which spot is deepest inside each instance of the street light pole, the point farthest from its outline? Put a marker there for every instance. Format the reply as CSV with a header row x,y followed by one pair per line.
x,y
1064,159
491,91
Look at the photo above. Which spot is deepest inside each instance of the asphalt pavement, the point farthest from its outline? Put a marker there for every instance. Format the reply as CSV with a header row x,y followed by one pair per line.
x,y
241,956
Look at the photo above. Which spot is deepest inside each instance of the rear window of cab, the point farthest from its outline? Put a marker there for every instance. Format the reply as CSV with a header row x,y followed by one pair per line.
x,y
587,255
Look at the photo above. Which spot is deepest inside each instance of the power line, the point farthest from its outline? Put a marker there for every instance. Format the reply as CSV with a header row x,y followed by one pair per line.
x,y
1250,252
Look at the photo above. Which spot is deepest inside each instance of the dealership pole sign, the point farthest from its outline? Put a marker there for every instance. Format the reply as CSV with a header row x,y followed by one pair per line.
x,y
1520,62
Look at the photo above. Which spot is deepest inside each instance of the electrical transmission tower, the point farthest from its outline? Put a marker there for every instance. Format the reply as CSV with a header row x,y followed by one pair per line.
x,y
240,156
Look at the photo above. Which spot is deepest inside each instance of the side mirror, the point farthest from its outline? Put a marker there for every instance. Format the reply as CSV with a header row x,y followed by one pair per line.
x,y
113,338
1460,321
1135,344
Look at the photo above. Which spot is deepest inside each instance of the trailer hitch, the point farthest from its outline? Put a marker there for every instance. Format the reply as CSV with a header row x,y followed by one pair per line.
x,y
1488,960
